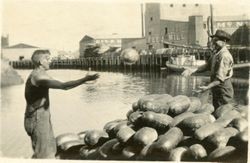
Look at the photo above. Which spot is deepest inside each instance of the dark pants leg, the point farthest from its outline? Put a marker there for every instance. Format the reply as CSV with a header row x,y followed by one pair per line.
x,y
223,94
40,130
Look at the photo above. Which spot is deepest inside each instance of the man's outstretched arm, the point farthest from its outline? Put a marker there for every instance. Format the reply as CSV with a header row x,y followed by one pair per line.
x,y
190,71
55,84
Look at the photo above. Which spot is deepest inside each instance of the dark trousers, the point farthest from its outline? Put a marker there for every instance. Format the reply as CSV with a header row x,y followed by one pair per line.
x,y
39,128
223,94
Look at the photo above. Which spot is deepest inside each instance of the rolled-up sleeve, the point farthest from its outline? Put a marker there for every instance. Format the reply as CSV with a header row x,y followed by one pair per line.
x,y
224,67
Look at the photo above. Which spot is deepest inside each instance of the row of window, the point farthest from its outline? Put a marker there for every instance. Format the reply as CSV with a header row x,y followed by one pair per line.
x,y
169,37
176,29
108,41
231,24
172,36
184,5
155,39
175,36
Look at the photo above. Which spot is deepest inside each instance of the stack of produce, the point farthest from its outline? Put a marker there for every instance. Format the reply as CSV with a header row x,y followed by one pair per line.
x,y
162,127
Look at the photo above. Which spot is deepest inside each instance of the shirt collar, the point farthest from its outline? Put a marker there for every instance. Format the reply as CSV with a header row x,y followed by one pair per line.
x,y
221,50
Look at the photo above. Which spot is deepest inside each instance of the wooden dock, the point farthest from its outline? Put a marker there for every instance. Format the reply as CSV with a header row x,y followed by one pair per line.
x,y
100,63
146,62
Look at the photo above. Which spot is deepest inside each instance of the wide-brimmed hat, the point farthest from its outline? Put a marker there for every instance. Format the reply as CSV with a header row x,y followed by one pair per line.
x,y
222,35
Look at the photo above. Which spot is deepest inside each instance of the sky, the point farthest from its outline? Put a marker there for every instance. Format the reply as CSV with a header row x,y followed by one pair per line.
x,y
61,24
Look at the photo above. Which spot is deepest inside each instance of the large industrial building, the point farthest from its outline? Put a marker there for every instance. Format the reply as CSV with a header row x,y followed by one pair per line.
x,y
176,23
183,24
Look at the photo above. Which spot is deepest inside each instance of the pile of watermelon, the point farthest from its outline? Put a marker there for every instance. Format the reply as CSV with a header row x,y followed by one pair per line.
x,y
160,127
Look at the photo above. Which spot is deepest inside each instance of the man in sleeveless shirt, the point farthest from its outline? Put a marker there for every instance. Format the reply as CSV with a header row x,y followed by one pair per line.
x,y
220,65
37,120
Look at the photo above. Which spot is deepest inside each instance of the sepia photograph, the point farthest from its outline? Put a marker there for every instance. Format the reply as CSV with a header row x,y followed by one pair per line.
x,y
140,81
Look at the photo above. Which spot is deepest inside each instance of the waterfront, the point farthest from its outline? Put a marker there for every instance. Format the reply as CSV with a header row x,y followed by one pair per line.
x,y
91,106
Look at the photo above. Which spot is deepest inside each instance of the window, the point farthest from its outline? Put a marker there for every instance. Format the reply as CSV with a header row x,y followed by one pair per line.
x,y
166,30
182,36
166,46
153,39
171,5
184,5
204,26
174,37
170,37
21,58
196,5
149,33
176,29
177,37
151,18
156,39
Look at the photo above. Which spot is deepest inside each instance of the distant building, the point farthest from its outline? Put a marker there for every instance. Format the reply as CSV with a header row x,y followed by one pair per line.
x,y
114,42
241,37
169,24
231,23
89,44
172,23
4,41
137,43
18,52
184,24
237,26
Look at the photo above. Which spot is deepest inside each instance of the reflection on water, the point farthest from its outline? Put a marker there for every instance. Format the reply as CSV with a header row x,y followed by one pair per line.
x,y
175,84
90,106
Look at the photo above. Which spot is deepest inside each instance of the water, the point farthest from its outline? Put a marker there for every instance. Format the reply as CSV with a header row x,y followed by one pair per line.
x,y
90,106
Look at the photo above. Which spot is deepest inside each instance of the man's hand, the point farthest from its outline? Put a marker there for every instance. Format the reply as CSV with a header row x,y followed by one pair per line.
x,y
91,77
204,88
187,72
201,89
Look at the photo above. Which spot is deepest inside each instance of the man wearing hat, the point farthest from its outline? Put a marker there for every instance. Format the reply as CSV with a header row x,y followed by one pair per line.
x,y
221,68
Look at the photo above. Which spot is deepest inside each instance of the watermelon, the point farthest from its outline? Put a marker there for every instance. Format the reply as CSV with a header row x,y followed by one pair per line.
x,y
195,104
156,120
95,137
179,104
145,136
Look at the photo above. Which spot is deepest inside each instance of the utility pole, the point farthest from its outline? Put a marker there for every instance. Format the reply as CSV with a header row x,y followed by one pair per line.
x,y
212,19
142,20
210,26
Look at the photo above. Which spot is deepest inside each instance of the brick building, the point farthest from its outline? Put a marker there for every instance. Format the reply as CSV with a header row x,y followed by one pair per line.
x,y
176,23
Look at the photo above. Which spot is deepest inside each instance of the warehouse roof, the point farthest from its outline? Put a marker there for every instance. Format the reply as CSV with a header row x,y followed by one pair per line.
x,y
21,46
